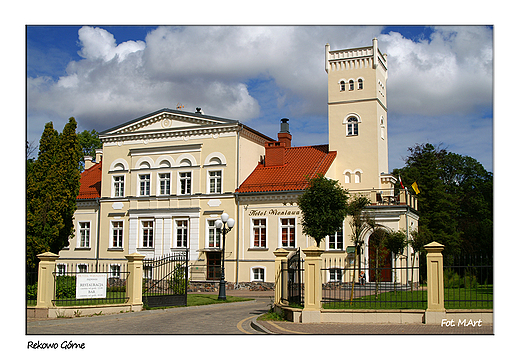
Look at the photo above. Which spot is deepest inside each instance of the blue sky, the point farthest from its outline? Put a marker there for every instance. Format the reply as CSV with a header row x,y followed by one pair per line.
x,y
440,85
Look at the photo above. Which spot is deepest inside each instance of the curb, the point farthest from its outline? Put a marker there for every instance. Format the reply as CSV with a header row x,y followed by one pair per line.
x,y
255,325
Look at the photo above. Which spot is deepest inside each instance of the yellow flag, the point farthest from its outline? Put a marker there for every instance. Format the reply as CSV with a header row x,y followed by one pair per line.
x,y
415,187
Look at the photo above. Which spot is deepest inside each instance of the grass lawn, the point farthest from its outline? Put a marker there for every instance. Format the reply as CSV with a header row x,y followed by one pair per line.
x,y
475,298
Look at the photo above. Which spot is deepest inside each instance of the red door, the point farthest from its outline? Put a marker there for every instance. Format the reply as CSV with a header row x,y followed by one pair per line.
x,y
384,263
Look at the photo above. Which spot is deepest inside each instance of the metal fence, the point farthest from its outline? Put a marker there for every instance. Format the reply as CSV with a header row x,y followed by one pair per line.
x,y
31,286
468,281
165,280
110,279
371,288
292,278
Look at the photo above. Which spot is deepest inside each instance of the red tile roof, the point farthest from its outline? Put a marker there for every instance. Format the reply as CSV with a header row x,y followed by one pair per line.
x,y
90,183
301,163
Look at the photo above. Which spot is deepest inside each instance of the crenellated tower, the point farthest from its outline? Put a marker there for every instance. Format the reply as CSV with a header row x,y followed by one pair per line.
x,y
358,116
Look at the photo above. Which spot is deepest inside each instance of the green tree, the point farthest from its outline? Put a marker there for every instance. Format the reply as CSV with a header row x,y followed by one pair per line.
x,y
395,242
52,187
455,198
418,238
89,142
324,208
359,219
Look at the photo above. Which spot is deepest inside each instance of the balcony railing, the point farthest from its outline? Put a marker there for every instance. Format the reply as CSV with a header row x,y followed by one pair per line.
x,y
388,197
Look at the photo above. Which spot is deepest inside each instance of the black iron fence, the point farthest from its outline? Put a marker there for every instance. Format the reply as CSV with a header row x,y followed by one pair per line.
x,y
292,278
468,281
165,280
371,287
31,285
80,284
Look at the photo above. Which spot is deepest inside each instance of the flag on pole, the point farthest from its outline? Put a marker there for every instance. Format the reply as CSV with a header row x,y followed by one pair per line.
x,y
401,181
415,187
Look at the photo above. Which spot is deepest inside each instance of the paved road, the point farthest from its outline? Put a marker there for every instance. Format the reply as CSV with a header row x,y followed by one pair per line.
x,y
229,318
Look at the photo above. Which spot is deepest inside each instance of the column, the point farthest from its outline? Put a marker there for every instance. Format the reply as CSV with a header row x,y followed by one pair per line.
x,y
134,282
312,285
46,268
435,278
280,281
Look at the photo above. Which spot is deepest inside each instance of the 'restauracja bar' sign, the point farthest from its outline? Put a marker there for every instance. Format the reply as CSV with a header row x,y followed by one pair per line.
x,y
91,286
274,212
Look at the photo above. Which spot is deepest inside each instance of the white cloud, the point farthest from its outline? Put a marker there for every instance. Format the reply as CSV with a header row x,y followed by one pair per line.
x,y
449,74
452,73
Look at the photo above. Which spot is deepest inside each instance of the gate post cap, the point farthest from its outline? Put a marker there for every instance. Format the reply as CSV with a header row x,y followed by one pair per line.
x,y
434,247
313,251
48,256
280,252
135,256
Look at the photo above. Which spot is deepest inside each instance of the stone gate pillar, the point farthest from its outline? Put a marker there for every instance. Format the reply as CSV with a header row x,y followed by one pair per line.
x,y
134,282
435,278
280,281
46,268
312,285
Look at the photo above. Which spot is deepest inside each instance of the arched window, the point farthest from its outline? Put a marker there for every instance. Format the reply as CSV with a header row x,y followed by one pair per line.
x,y
357,177
351,84
347,176
360,84
352,126
342,85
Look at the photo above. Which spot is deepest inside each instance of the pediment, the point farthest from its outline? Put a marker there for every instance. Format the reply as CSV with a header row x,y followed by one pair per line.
x,y
167,120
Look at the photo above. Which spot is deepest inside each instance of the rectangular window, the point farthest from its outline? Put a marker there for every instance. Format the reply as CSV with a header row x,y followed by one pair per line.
x,y
61,269
259,233
215,182
258,274
144,185
335,275
164,184
182,233
213,235
147,272
119,186
117,234
84,234
115,271
147,231
185,183
336,241
288,232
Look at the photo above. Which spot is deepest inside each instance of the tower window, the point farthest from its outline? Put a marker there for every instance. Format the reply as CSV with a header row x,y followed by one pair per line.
x,y
360,84
342,85
351,85
352,126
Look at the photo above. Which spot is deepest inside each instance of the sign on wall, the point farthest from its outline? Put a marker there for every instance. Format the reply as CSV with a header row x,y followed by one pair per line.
x,y
91,286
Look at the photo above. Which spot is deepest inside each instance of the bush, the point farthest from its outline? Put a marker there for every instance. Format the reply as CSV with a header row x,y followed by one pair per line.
x,y
177,282
452,280
32,290
65,287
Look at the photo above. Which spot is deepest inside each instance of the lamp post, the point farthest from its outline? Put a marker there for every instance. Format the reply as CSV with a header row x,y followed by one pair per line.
x,y
221,226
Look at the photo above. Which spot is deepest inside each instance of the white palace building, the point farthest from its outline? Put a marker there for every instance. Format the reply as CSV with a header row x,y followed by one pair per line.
x,y
162,180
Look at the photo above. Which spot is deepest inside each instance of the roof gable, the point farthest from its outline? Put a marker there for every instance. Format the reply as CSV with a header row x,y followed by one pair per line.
x,y
167,119
302,163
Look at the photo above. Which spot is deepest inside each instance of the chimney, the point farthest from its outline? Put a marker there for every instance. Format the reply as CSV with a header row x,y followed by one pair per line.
x,y
99,155
284,135
88,162
275,150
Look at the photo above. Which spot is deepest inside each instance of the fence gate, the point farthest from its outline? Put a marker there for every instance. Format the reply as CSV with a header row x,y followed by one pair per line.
x,y
165,280
294,273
